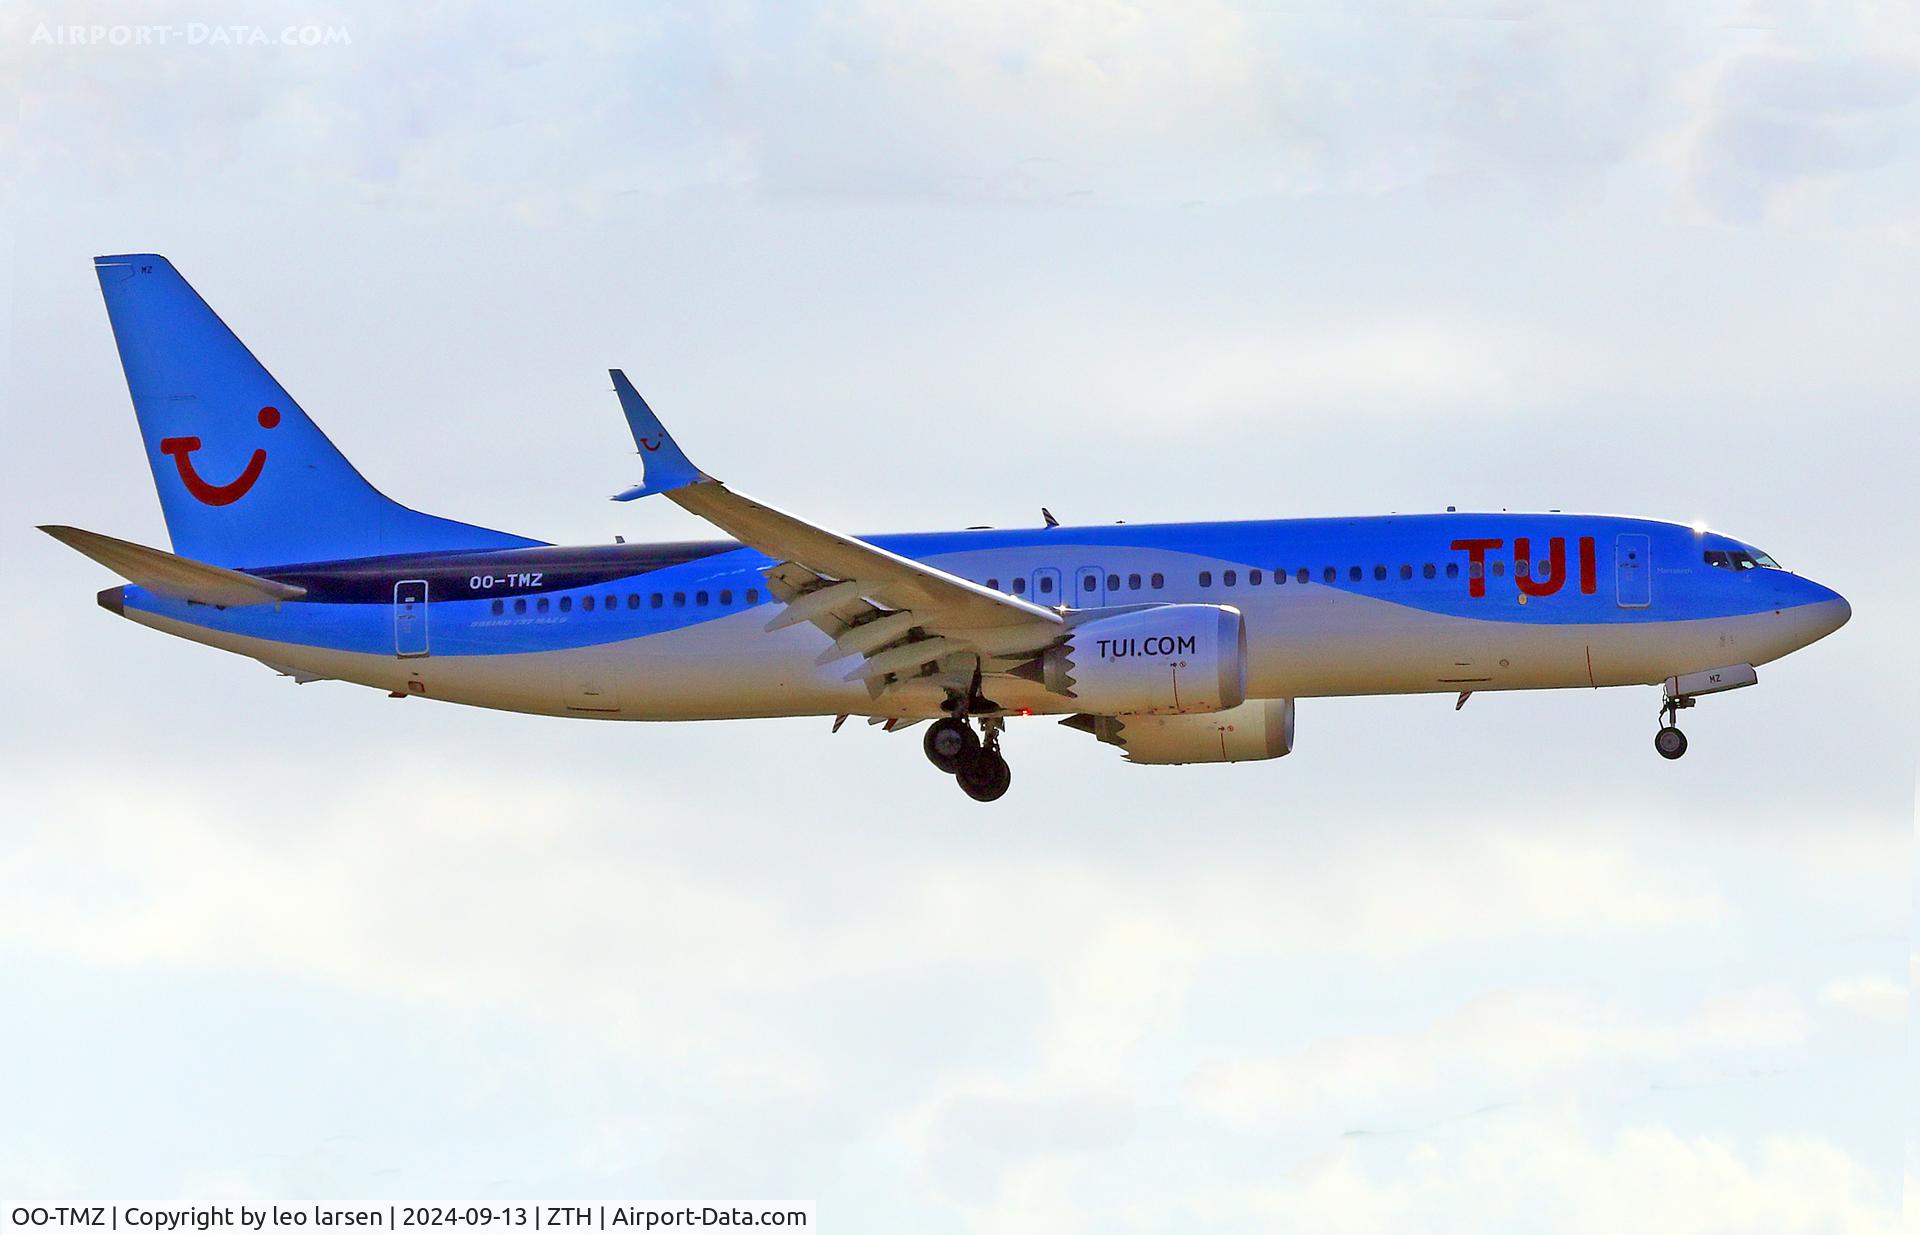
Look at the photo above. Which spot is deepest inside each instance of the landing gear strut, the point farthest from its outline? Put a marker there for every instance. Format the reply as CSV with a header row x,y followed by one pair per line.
x,y
1670,742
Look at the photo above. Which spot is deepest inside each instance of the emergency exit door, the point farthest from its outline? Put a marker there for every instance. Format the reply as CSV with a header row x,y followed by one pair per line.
x,y
410,617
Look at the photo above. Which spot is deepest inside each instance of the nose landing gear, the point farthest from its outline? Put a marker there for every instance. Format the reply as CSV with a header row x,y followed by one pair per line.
x,y
1683,690
1670,742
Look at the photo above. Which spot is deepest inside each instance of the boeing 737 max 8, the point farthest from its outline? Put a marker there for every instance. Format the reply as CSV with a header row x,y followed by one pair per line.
x,y
1177,643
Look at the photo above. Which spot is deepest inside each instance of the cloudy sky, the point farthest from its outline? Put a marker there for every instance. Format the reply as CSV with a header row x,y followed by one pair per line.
x,y
916,265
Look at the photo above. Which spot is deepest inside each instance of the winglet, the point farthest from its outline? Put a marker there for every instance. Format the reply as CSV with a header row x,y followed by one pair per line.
x,y
668,467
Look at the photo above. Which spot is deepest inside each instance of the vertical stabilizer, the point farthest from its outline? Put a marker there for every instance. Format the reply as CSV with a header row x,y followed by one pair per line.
x,y
245,478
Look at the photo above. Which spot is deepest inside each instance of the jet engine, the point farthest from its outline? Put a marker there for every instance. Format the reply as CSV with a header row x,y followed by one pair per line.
x,y
1257,729
1167,659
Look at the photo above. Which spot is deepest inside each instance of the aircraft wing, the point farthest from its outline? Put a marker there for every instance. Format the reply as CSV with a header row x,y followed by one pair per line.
x,y
902,618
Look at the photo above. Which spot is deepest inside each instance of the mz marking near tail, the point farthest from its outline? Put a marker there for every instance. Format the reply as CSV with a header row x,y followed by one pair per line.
x,y
1176,643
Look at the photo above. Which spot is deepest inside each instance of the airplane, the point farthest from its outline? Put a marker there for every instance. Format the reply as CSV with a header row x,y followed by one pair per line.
x,y
1174,643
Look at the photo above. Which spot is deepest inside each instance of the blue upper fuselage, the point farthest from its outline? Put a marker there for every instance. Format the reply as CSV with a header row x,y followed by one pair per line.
x,y
1540,569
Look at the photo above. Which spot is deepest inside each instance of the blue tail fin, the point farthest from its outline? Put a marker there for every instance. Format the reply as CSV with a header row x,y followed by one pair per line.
x,y
245,478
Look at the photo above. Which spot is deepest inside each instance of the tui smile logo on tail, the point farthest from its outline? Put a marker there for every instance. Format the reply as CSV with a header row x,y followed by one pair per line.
x,y
218,495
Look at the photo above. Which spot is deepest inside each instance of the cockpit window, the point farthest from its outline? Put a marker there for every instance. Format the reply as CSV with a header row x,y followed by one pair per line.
x,y
1739,559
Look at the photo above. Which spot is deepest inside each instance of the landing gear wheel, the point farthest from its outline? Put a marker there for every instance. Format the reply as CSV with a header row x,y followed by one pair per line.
x,y
1670,742
949,744
985,776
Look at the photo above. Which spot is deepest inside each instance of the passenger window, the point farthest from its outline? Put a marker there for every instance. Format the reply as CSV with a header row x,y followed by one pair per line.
x,y
1229,578
1329,574
1253,578
1019,586
1453,570
613,602
1380,572
1045,584
1133,583
679,600
1353,574
700,598
1406,571
542,604
1090,583
994,584
1475,570
1426,572
586,604
1113,582
656,600
1522,569
1158,581
1206,578
520,604
499,607
726,596
1499,569
1302,576
753,595
566,604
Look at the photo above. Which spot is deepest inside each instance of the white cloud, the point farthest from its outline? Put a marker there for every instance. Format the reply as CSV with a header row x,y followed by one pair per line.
x,y
1546,1172
701,958
1495,1048
1873,995
502,875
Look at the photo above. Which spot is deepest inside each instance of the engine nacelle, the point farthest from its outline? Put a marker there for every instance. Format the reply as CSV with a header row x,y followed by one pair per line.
x,y
1257,729
1167,659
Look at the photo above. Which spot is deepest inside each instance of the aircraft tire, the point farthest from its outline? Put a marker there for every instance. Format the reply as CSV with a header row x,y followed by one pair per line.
x,y
949,744
1670,742
985,777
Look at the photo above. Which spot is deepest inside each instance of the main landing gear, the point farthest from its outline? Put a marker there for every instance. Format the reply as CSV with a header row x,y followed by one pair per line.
x,y
972,759
976,762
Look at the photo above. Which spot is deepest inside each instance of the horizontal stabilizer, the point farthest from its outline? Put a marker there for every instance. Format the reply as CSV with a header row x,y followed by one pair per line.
x,y
167,574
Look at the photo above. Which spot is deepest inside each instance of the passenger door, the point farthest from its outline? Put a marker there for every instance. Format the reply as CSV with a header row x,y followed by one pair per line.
x,y
1633,570
410,617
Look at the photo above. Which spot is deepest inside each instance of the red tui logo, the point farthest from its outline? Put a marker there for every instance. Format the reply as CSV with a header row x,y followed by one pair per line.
x,y
1544,582
211,494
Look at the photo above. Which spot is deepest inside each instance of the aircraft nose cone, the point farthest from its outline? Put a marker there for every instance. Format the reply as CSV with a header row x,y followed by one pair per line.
x,y
1823,617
